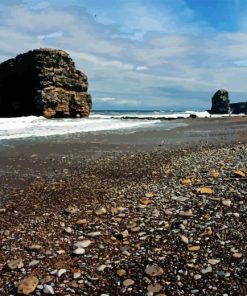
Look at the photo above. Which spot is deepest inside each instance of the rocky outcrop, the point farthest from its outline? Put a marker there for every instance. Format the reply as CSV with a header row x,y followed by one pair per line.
x,y
238,108
220,102
43,82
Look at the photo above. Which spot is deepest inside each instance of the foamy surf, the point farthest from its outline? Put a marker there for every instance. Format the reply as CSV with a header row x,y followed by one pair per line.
x,y
99,121
149,115
32,126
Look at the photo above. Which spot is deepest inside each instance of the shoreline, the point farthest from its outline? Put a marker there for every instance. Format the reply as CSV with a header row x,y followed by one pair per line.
x,y
22,154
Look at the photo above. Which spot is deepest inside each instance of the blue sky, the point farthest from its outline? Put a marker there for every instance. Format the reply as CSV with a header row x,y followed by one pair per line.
x,y
139,54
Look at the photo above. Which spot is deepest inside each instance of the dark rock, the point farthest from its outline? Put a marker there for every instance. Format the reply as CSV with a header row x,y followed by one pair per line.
x,y
43,82
193,116
220,102
237,108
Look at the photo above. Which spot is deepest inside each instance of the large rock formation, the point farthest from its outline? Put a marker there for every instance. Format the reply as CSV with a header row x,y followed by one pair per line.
x,y
220,102
43,82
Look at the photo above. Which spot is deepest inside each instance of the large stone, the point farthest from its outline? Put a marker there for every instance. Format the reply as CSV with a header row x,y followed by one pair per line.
x,y
43,82
220,102
27,285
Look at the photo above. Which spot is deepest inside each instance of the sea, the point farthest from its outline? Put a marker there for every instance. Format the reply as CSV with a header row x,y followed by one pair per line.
x,y
100,121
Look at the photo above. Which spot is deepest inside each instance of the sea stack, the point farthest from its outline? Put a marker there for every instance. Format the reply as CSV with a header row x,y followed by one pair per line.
x,y
220,102
43,82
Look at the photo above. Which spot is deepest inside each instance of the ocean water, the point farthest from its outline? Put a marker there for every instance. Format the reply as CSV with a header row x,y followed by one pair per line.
x,y
98,122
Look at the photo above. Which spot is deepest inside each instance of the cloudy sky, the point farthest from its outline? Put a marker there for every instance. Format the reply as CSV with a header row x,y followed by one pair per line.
x,y
139,54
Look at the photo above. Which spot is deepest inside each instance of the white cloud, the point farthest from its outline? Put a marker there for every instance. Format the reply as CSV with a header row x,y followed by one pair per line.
x,y
107,99
115,101
101,62
141,68
51,35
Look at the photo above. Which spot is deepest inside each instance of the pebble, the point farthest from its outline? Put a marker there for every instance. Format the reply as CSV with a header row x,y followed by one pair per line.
x,y
68,230
100,211
33,263
239,174
213,261
48,289
226,202
237,255
60,272
121,272
15,264
197,276
168,212
78,251
184,239
27,285
154,288
186,181
83,244
125,233
77,275
154,270
186,213
207,270
128,282
181,226
146,202
194,248
93,234
101,267
81,221
71,209
179,198
35,247
205,190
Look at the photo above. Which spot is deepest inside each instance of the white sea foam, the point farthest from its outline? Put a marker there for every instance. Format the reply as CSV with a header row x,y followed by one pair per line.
x,y
32,126
151,114
158,115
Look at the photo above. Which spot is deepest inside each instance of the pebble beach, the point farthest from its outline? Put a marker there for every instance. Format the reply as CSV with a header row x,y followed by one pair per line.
x,y
163,221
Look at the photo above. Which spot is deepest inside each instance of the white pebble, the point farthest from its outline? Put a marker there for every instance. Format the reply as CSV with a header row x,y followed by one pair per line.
x,y
207,270
82,244
184,239
79,251
197,276
93,234
48,290
61,272
76,275
101,268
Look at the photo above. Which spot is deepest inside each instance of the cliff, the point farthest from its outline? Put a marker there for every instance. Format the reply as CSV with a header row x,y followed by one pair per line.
x,y
43,82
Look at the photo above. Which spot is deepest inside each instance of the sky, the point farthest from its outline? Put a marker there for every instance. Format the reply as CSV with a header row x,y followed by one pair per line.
x,y
139,54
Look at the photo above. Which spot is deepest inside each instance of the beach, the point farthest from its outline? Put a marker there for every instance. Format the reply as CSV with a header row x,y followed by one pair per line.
x,y
145,212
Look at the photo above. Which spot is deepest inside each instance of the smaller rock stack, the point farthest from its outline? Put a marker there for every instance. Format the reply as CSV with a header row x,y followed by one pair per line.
x,y
220,102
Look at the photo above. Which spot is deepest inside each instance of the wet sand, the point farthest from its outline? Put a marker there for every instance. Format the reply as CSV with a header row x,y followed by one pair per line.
x,y
25,153
159,212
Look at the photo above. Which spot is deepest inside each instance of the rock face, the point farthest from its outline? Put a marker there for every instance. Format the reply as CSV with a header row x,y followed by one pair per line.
x,y
43,82
220,102
237,108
